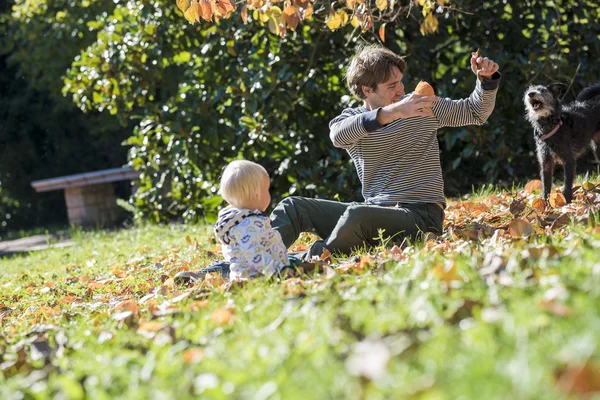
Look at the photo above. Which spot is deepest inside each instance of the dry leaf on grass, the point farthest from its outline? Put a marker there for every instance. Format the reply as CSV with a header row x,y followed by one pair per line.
x,y
578,379
538,204
557,200
520,228
446,273
192,356
222,316
556,308
533,186
127,305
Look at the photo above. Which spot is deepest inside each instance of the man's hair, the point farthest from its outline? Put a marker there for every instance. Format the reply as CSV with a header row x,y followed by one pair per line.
x,y
370,66
241,182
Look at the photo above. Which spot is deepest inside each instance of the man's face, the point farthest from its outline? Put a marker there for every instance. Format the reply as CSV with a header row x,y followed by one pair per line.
x,y
387,92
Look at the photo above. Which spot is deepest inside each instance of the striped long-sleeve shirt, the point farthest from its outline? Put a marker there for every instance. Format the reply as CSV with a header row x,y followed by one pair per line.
x,y
400,162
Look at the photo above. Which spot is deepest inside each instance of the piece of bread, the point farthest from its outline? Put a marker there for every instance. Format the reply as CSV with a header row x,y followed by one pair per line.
x,y
425,89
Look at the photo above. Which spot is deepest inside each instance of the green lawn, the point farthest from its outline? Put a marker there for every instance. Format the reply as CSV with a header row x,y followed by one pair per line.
x,y
492,310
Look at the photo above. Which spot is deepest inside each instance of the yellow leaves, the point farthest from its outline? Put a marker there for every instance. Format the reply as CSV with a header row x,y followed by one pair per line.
x,y
274,14
193,10
588,186
520,228
446,273
277,20
337,19
183,5
192,13
430,25
381,4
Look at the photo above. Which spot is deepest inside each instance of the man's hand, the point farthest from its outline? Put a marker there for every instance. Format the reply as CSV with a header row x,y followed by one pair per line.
x,y
483,67
413,105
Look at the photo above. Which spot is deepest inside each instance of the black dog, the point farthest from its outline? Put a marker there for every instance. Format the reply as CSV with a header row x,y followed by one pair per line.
x,y
562,132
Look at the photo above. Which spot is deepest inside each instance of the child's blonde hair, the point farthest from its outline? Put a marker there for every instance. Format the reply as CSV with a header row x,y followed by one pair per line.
x,y
241,182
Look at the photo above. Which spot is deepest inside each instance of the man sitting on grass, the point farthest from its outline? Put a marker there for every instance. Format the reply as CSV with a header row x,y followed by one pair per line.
x,y
392,140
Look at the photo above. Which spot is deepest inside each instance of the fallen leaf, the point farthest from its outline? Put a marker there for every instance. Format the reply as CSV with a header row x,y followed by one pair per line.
x,y
578,379
517,207
556,308
151,326
95,285
192,356
561,221
197,305
446,273
533,186
536,253
520,228
538,204
222,316
557,200
587,186
127,305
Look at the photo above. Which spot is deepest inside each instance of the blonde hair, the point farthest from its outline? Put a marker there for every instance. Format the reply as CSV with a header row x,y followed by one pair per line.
x,y
241,182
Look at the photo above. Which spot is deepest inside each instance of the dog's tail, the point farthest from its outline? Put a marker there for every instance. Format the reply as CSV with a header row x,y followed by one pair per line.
x,y
589,93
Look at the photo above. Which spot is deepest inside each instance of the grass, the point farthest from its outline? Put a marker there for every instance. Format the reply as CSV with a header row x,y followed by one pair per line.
x,y
494,318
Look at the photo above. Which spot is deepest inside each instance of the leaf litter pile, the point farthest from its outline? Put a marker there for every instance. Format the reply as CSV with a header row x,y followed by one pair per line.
x,y
505,304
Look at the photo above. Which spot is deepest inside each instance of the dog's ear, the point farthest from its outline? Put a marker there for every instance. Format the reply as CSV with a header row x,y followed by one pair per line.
x,y
557,88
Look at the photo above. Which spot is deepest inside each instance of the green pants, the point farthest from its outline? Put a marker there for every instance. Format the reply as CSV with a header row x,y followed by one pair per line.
x,y
345,227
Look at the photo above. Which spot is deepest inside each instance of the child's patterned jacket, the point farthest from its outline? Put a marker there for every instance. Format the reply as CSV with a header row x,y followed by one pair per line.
x,y
249,243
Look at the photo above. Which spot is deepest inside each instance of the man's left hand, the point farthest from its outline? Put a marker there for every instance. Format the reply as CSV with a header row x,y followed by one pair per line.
x,y
483,67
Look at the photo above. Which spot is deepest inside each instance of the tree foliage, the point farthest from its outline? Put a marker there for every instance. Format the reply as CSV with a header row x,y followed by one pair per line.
x,y
42,133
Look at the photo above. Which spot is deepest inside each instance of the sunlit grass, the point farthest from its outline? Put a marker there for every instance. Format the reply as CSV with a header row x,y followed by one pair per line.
x,y
445,319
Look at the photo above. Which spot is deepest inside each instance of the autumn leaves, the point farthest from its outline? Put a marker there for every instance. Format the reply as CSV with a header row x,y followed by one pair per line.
x,y
280,16
194,10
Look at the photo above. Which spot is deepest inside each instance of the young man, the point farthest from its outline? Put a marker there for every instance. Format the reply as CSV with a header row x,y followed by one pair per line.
x,y
392,140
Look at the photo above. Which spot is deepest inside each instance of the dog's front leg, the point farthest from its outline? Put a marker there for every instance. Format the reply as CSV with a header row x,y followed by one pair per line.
x,y
547,168
569,168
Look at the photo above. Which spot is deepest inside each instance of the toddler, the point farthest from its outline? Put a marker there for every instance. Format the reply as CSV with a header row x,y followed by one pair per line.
x,y
248,242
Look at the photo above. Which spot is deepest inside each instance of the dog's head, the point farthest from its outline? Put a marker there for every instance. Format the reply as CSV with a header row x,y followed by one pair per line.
x,y
542,101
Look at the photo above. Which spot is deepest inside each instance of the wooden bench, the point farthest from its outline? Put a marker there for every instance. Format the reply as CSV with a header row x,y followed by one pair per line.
x,y
90,197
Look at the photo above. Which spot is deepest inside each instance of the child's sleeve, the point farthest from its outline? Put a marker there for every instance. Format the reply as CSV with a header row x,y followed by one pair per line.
x,y
260,249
